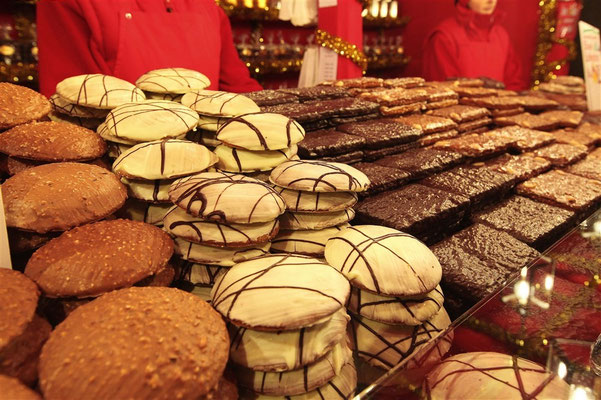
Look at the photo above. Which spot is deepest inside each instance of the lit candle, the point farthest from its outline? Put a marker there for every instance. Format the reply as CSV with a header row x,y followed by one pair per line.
x,y
394,9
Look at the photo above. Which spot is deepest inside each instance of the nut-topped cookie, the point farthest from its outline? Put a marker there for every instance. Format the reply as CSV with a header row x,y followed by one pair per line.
x,y
181,224
150,120
261,131
89,260
163,159
52,141
219,104
19,105
384,260
57,197
122,347
98,91
230,198
307,290
172,80
319,176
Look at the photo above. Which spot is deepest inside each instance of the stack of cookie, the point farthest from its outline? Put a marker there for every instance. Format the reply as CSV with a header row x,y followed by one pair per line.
x,y
86,99
396,302
171,83
215,109
149,169
319,196
469,119
220,219
287,326
257,142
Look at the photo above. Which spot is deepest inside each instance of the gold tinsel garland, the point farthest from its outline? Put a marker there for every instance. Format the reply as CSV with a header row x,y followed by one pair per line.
x,y
544,71
342,48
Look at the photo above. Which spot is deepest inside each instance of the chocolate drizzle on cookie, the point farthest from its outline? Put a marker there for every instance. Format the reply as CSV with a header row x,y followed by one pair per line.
x,y
321,181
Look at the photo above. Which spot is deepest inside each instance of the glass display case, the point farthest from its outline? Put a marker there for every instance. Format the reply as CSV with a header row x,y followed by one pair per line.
x,y
550,314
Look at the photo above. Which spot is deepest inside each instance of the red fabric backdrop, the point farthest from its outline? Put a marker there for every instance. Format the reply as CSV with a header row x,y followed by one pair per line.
x,y
521,22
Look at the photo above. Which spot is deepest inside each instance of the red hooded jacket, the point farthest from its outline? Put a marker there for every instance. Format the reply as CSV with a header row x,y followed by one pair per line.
x,y
126,38
471,45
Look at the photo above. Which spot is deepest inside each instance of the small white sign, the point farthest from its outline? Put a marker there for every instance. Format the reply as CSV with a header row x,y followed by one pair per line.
x,y
590,44
328,65
328,3
5,261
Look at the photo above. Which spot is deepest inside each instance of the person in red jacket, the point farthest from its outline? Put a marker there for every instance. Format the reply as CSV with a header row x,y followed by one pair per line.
x,y
126,38
472,44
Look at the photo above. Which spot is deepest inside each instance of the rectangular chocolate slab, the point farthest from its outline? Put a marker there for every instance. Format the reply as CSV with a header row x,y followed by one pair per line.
x,y
422,162
379,133
522,167
381,178
268,97
328,143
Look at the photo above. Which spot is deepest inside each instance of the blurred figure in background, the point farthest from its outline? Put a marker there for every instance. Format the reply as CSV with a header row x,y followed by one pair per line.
x,y
472,44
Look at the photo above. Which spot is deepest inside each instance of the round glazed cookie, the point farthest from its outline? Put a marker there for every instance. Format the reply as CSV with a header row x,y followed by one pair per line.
x,y
229,198
210,123
303,221
126,364
172,80
88,123
223,256
181,224
18,301
396,310
12,388
57,197
240,160
319,176
145,212
487,375
384,261
286,350
384,345
150,120
89,260
298,381
316,202
52,142
215,103
342,387
19,105
104,133
156,191
307,291
63,106
308,242
261,131
98,91
163,159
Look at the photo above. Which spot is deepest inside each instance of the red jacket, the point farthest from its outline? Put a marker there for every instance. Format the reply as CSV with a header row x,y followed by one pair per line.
x,y
126,38
471,45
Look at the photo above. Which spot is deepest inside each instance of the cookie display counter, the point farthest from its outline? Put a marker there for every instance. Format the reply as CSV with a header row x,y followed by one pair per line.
x,y
550,314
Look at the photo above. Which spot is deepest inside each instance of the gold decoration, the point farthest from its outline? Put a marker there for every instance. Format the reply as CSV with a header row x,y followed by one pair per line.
x,y
342,48
544,71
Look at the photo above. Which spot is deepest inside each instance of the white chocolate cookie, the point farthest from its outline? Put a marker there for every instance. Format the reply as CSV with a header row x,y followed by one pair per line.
x,y
98,91
63,106
240,160
229,198
297,381
280,292
223,256
150,120
384,345
305,220
319,176
308,242
384,261
163,159
489,375
316,202
286,350
172,80
104,133
261,131
396,310
219,104
193,229
156,191
342,387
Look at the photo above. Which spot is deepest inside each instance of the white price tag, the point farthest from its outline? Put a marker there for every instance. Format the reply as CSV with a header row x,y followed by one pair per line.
x,y
328,65
590,44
